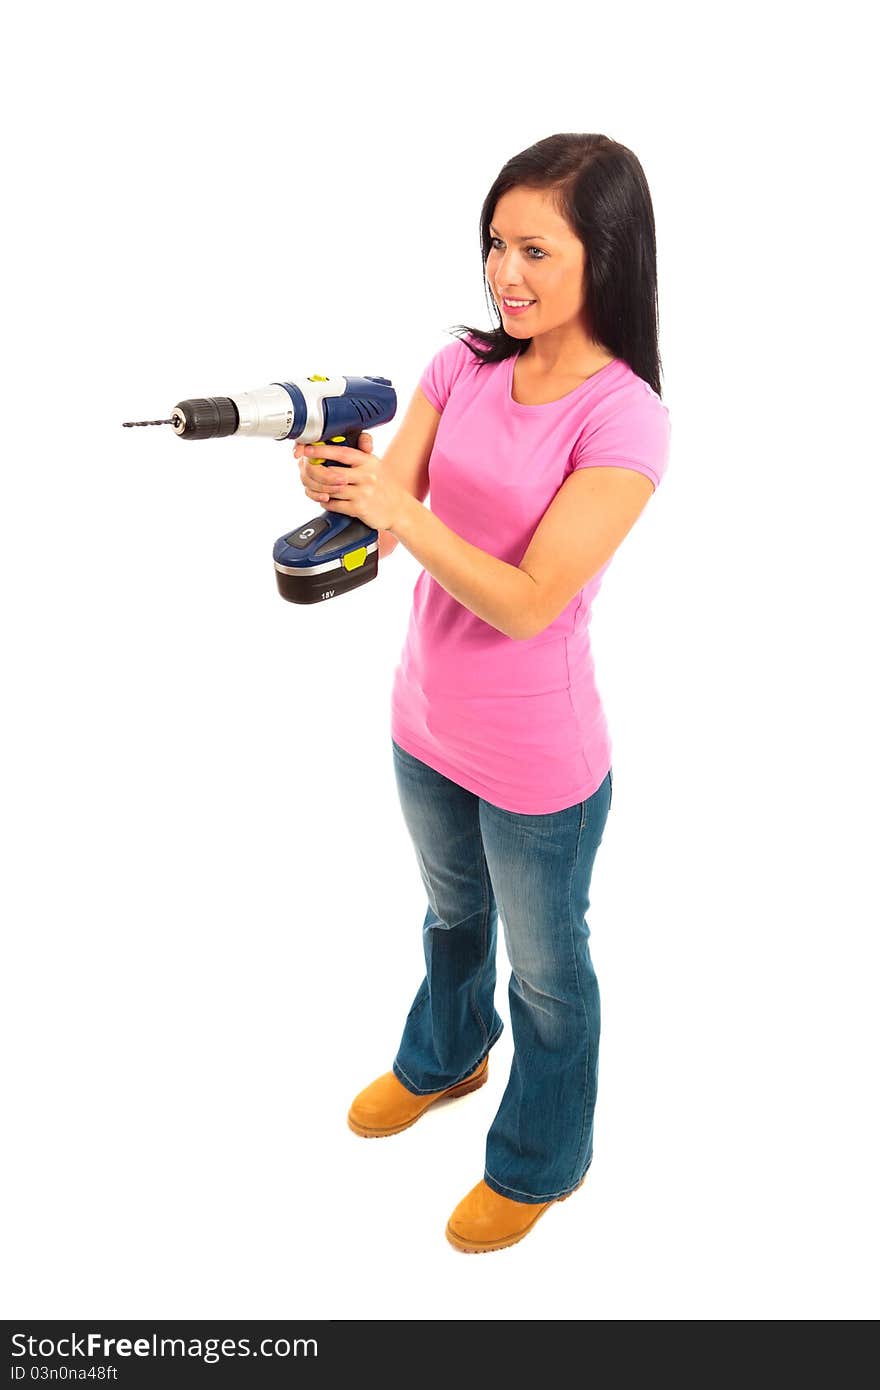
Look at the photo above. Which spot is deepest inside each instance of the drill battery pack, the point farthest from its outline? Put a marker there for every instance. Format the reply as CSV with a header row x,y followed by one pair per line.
x,y
325,558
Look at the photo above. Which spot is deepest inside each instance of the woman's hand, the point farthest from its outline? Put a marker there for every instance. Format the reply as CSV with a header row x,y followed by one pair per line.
x,y
361,490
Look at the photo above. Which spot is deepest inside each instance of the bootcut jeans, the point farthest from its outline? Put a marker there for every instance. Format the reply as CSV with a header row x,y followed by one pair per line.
x,y
474,859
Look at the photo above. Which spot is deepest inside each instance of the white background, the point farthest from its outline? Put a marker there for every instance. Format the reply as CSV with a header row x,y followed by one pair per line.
x,y
212,908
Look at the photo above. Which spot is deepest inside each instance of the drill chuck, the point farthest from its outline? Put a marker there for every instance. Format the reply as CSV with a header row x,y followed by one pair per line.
x,y
205,417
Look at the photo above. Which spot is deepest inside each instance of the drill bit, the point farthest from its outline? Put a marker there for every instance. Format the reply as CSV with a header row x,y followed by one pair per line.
x,y
128,424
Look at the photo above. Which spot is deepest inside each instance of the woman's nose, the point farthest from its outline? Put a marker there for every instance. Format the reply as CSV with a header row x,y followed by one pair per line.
x,y
508,273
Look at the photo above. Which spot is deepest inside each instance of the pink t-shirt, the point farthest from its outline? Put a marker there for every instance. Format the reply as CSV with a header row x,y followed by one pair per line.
x,y
519,723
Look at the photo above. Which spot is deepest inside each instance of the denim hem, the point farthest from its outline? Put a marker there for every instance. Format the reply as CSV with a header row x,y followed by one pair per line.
x,y
504,1191
405,1081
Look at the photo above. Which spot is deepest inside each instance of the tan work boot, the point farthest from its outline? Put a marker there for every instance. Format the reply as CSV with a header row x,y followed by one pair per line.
x,y
386,1106
487,1220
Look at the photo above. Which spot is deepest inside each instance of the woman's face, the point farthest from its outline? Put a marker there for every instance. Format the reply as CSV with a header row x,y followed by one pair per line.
x,y
535,255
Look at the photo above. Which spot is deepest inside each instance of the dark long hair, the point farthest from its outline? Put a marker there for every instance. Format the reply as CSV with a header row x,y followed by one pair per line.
x,y
600,189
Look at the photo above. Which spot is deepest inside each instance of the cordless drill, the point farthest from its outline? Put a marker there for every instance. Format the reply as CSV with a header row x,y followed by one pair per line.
x,y
332,553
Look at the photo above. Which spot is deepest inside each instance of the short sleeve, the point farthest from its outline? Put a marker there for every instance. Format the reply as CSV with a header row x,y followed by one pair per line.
x,y
442,372
632,433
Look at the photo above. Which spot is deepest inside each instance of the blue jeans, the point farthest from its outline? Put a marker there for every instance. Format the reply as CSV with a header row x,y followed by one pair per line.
x,y
474,859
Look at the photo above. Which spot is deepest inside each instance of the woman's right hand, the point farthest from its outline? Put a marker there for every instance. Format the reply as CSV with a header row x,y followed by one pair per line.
x,y
364,442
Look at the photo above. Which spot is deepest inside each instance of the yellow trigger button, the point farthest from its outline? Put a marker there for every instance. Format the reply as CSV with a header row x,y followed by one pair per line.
x,y
318,378
338,439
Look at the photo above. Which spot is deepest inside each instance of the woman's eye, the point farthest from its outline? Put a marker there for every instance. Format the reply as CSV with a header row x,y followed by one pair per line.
x,y
541,254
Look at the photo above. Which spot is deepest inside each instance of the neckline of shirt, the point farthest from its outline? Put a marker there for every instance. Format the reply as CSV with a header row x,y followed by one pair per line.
x,y
569,396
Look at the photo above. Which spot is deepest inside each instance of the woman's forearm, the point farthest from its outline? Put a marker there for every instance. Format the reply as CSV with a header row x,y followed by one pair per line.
x,y
501,594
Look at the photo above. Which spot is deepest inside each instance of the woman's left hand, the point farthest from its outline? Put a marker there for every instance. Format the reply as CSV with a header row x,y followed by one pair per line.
x,y
362,490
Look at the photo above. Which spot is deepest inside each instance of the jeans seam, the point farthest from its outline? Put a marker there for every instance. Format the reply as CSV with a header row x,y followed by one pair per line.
x,y
578,974
436,1091
484,941
545,1197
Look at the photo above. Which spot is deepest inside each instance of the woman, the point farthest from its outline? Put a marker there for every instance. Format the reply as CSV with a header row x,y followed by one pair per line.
x,y
546,436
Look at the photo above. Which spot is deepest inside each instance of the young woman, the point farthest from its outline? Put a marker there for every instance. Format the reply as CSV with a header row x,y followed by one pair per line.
x,y
546,437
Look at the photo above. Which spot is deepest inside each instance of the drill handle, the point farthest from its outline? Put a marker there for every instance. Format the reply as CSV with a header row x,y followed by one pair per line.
x,y
348,440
